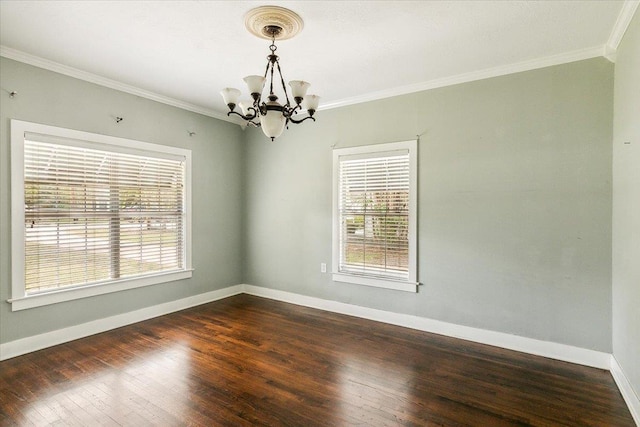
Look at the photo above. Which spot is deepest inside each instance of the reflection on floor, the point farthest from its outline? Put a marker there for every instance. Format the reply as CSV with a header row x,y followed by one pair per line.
x,y
252,361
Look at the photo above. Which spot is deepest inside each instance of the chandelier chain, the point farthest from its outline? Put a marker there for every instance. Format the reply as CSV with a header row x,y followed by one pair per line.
x,y
284,88
273,46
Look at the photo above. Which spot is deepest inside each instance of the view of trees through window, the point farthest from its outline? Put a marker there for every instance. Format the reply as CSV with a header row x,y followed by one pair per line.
x,y
375,215
92,216
378,235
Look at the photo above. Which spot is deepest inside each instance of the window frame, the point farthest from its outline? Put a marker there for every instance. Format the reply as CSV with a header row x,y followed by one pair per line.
x,y
411,284
20,300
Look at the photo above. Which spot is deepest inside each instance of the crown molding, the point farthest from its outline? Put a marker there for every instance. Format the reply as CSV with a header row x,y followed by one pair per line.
x,y
56,67
622,23
502,70
577,55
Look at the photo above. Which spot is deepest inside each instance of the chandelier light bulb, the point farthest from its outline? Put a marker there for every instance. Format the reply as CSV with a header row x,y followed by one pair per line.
x,y
311,103
230,96
255,84
299,90
273,124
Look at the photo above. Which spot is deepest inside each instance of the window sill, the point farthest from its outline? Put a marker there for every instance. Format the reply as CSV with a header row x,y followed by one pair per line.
x,y
378,283
47,298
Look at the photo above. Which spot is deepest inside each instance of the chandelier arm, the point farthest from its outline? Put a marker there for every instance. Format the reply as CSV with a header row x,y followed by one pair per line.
x,y
294,110
292,120
247,117
253,113
286,111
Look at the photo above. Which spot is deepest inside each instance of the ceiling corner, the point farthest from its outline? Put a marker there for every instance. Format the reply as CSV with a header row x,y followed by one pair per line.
x,y
620,27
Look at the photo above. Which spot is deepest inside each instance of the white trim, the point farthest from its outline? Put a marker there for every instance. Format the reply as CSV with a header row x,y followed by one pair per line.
x,y
19,129
56,67
630,397
375,282
563,58
54,297
369,151
501,70
49,339
622,23
551,350
16,168
548,349
610,54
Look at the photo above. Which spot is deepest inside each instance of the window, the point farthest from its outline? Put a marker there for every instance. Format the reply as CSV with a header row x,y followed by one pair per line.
x,y
374,219
93,214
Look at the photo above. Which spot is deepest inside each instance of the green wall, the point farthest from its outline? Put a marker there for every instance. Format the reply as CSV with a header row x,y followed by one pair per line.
x,y
626,206
514,203
54,99
514,199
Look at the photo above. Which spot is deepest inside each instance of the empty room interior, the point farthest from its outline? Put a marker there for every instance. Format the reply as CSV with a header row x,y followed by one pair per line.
x,y
439,225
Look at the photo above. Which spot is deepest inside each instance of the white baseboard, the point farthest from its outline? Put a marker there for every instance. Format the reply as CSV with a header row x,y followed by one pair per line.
x,y
548,349
629,395
551,350
49,339
499,339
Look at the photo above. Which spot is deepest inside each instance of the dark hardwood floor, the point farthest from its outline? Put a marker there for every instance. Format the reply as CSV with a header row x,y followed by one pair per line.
x,y
252,361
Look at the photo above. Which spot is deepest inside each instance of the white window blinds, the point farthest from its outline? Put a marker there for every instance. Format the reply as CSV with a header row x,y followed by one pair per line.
x,y
373,210
94,215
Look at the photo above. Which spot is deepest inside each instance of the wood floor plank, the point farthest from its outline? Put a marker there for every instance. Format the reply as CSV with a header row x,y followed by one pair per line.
x,y
247,361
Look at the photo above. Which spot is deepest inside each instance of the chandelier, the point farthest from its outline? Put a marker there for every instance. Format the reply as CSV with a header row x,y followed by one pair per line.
x,y
272,22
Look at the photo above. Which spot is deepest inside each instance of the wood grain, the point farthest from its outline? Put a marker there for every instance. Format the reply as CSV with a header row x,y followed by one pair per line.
x,y
251,361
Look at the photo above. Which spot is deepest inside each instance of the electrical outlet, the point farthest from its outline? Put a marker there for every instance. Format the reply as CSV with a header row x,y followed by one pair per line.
x,y
323,267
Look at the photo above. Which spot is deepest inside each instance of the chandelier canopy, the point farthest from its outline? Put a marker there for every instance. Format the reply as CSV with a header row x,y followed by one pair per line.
x,y
272,22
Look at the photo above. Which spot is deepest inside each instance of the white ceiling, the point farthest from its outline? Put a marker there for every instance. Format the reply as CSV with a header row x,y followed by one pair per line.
x,y
185,52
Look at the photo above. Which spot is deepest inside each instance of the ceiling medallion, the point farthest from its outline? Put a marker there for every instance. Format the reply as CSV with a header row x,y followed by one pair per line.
x,y
259,19
272,23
